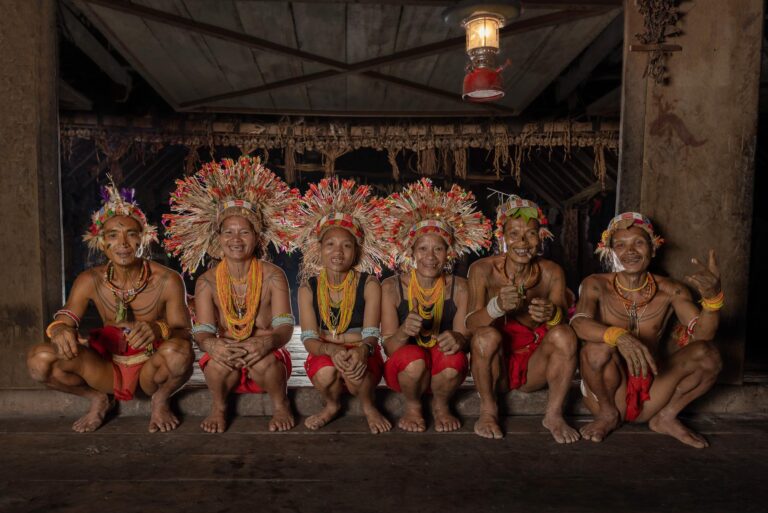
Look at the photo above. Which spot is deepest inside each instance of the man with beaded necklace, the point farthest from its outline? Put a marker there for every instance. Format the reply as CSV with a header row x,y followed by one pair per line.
x,y
423,309
145,339
517,302
621,317
231,211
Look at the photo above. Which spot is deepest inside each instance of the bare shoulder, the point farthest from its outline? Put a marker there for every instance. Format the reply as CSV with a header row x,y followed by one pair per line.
x,y
390,283
594,283
550,267
673,288
485,265
85,283
461,285
371,279
164,272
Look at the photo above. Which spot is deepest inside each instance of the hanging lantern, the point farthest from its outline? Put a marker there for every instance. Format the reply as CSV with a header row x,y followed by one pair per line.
x,y
482,22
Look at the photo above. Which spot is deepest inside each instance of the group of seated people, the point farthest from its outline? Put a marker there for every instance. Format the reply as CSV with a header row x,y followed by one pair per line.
x,y
509,322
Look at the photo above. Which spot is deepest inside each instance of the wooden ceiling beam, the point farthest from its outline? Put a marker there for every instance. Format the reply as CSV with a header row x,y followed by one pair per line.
x,y
337,67
536,4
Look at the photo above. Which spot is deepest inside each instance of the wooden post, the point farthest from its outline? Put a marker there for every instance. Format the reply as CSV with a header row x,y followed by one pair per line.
x,y
31,270
687,148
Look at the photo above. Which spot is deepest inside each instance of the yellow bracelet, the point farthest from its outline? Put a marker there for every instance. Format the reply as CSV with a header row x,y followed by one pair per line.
x,y
612,334
165,330
713,304
53,324
555,320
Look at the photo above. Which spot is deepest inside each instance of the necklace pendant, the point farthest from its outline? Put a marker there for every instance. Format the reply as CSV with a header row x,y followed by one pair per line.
x,y
120,311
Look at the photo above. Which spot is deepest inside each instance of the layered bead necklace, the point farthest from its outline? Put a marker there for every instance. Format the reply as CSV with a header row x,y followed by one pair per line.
x,y
429,303
336,315
534,274
239,310
124,297
631,306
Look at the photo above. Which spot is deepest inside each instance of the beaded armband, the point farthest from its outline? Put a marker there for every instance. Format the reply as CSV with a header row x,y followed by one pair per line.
x,y
371,332
283,319
165,330
308,334
493,308
204,328
713,304
555,320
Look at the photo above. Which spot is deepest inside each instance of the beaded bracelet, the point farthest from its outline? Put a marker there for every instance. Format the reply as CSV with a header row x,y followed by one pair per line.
x,y
612,334
579,315
371,332
493,309
555,320
204,328
713,304
54,324
165,330
69,313
308,334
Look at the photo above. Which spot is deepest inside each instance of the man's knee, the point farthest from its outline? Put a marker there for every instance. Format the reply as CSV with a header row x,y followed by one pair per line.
x,y
178,356
40,360
706,356
596,356
415,369
562,340
264,365
325,376
485,342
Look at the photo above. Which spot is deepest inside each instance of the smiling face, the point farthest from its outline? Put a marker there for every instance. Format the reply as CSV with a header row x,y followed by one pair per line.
x,y
121,240
522,239
632,248
430,253
338,250
237,238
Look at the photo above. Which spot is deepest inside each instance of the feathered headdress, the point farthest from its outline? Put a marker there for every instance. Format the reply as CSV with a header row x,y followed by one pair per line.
x,y
203,201
421,208
335,204
118,202
514,207
622,222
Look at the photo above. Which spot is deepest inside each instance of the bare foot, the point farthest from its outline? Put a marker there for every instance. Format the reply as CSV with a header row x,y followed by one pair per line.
x,y
561,431
282,418
92,420
444,421
216,421
599,428
162,418
377,422
326,415
412,420
487,426
673,427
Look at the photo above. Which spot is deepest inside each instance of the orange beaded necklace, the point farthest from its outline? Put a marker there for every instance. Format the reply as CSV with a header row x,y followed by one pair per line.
x,y
239,312
430,306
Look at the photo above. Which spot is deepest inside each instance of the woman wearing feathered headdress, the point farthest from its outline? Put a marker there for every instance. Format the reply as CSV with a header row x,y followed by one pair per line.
x,y
340,231
230,212
423,308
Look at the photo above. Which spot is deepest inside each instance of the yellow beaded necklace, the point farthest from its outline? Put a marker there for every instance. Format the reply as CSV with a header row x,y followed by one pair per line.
x,y
339,322
430,306
240,317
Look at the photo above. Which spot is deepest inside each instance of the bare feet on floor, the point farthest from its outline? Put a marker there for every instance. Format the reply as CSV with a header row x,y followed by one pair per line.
x,y
487,426
444,421
216,422
673,427
92,420
598,429
377,422
561,431
327,414
412,420
161,418
282,418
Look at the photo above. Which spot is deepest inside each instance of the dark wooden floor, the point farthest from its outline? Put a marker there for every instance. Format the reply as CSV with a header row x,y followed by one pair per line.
x,y
120,468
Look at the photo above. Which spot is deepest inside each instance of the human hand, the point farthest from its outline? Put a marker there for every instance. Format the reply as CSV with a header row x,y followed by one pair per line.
x,y
541,309
255,349
225,352
141,333
358,363
64,339
706,280
510,298
636,354
448,342
412,324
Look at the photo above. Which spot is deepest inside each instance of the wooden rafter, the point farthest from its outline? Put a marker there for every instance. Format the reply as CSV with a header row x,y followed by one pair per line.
x,y
337,67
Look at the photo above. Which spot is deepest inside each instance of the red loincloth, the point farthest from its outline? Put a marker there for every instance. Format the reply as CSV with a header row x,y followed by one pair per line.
x,y
248,386
375,364
111,344
638,391
436,361
520,342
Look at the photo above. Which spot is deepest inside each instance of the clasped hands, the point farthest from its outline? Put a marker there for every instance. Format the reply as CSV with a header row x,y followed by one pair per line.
x,y
241,354
447,341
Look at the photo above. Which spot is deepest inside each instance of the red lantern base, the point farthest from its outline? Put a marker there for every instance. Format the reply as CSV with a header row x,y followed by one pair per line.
x,y
483,85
